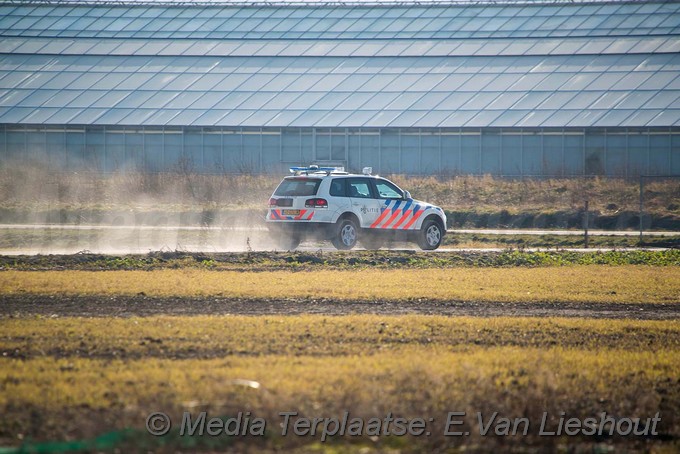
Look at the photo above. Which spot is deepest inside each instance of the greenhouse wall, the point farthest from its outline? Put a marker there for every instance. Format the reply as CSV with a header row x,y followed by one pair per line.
x,y
541,152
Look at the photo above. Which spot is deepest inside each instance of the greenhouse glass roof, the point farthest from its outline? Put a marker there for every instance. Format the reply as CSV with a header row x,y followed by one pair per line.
x,y
383,65
341,22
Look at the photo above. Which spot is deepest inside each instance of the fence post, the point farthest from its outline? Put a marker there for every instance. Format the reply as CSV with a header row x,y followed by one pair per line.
x,y
642,187
585,225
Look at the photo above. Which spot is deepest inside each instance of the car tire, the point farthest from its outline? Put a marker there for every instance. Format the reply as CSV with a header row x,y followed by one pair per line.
x,y
430,235
346,235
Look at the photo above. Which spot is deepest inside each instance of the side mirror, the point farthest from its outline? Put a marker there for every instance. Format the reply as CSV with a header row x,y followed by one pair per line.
x,y
407,195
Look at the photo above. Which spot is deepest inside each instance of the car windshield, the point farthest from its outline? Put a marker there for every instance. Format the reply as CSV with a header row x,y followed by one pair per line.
x,y
298,187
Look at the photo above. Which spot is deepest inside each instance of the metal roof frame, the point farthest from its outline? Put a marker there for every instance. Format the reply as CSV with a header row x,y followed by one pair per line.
x,y
318,3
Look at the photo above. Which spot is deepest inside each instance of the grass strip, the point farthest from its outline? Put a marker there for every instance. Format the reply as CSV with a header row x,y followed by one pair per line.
x,y
626,284
352,260
405,373
317,335
477,240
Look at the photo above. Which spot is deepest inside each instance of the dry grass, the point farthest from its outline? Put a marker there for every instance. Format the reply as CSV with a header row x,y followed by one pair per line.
x,y
179,190
623,284
310,383
184,189
412,366
317,335
487,193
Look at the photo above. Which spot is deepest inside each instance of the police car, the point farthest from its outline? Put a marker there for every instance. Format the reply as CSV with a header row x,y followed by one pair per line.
x,y
330,204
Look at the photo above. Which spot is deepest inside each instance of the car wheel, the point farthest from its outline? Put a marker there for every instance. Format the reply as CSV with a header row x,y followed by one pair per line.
x,y
346,236
430,235
372,241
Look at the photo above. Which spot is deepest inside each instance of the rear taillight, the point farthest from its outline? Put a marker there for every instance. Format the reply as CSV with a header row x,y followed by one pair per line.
x,y
272,202
316,203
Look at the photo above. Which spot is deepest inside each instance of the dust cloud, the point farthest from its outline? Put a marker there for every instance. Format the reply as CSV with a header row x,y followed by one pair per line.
x,y
48,212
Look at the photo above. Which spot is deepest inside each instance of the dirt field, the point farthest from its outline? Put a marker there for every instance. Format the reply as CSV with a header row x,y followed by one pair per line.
x,y
84,360
87,384
128,306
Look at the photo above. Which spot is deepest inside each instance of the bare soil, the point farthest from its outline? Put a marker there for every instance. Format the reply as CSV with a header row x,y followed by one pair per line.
x,y
141,306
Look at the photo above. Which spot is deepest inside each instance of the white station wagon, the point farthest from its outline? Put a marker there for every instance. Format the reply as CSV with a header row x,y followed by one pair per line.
x,y
330,204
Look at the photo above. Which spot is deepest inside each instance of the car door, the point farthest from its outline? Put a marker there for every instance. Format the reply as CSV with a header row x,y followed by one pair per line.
x,y
338,200
393,208
364,203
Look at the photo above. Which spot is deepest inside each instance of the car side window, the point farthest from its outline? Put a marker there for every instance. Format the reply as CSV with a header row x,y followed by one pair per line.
x,y
359,188
387,190
338,187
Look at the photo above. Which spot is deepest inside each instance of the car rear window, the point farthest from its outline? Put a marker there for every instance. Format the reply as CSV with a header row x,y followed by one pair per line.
x,y
292,187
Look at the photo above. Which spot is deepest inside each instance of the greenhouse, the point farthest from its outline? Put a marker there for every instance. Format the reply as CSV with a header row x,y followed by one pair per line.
x,y
509,89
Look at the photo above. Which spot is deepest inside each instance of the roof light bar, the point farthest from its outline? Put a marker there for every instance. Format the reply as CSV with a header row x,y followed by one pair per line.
x,y
315,169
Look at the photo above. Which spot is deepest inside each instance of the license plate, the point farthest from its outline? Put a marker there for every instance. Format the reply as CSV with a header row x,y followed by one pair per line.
x,y
291,212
